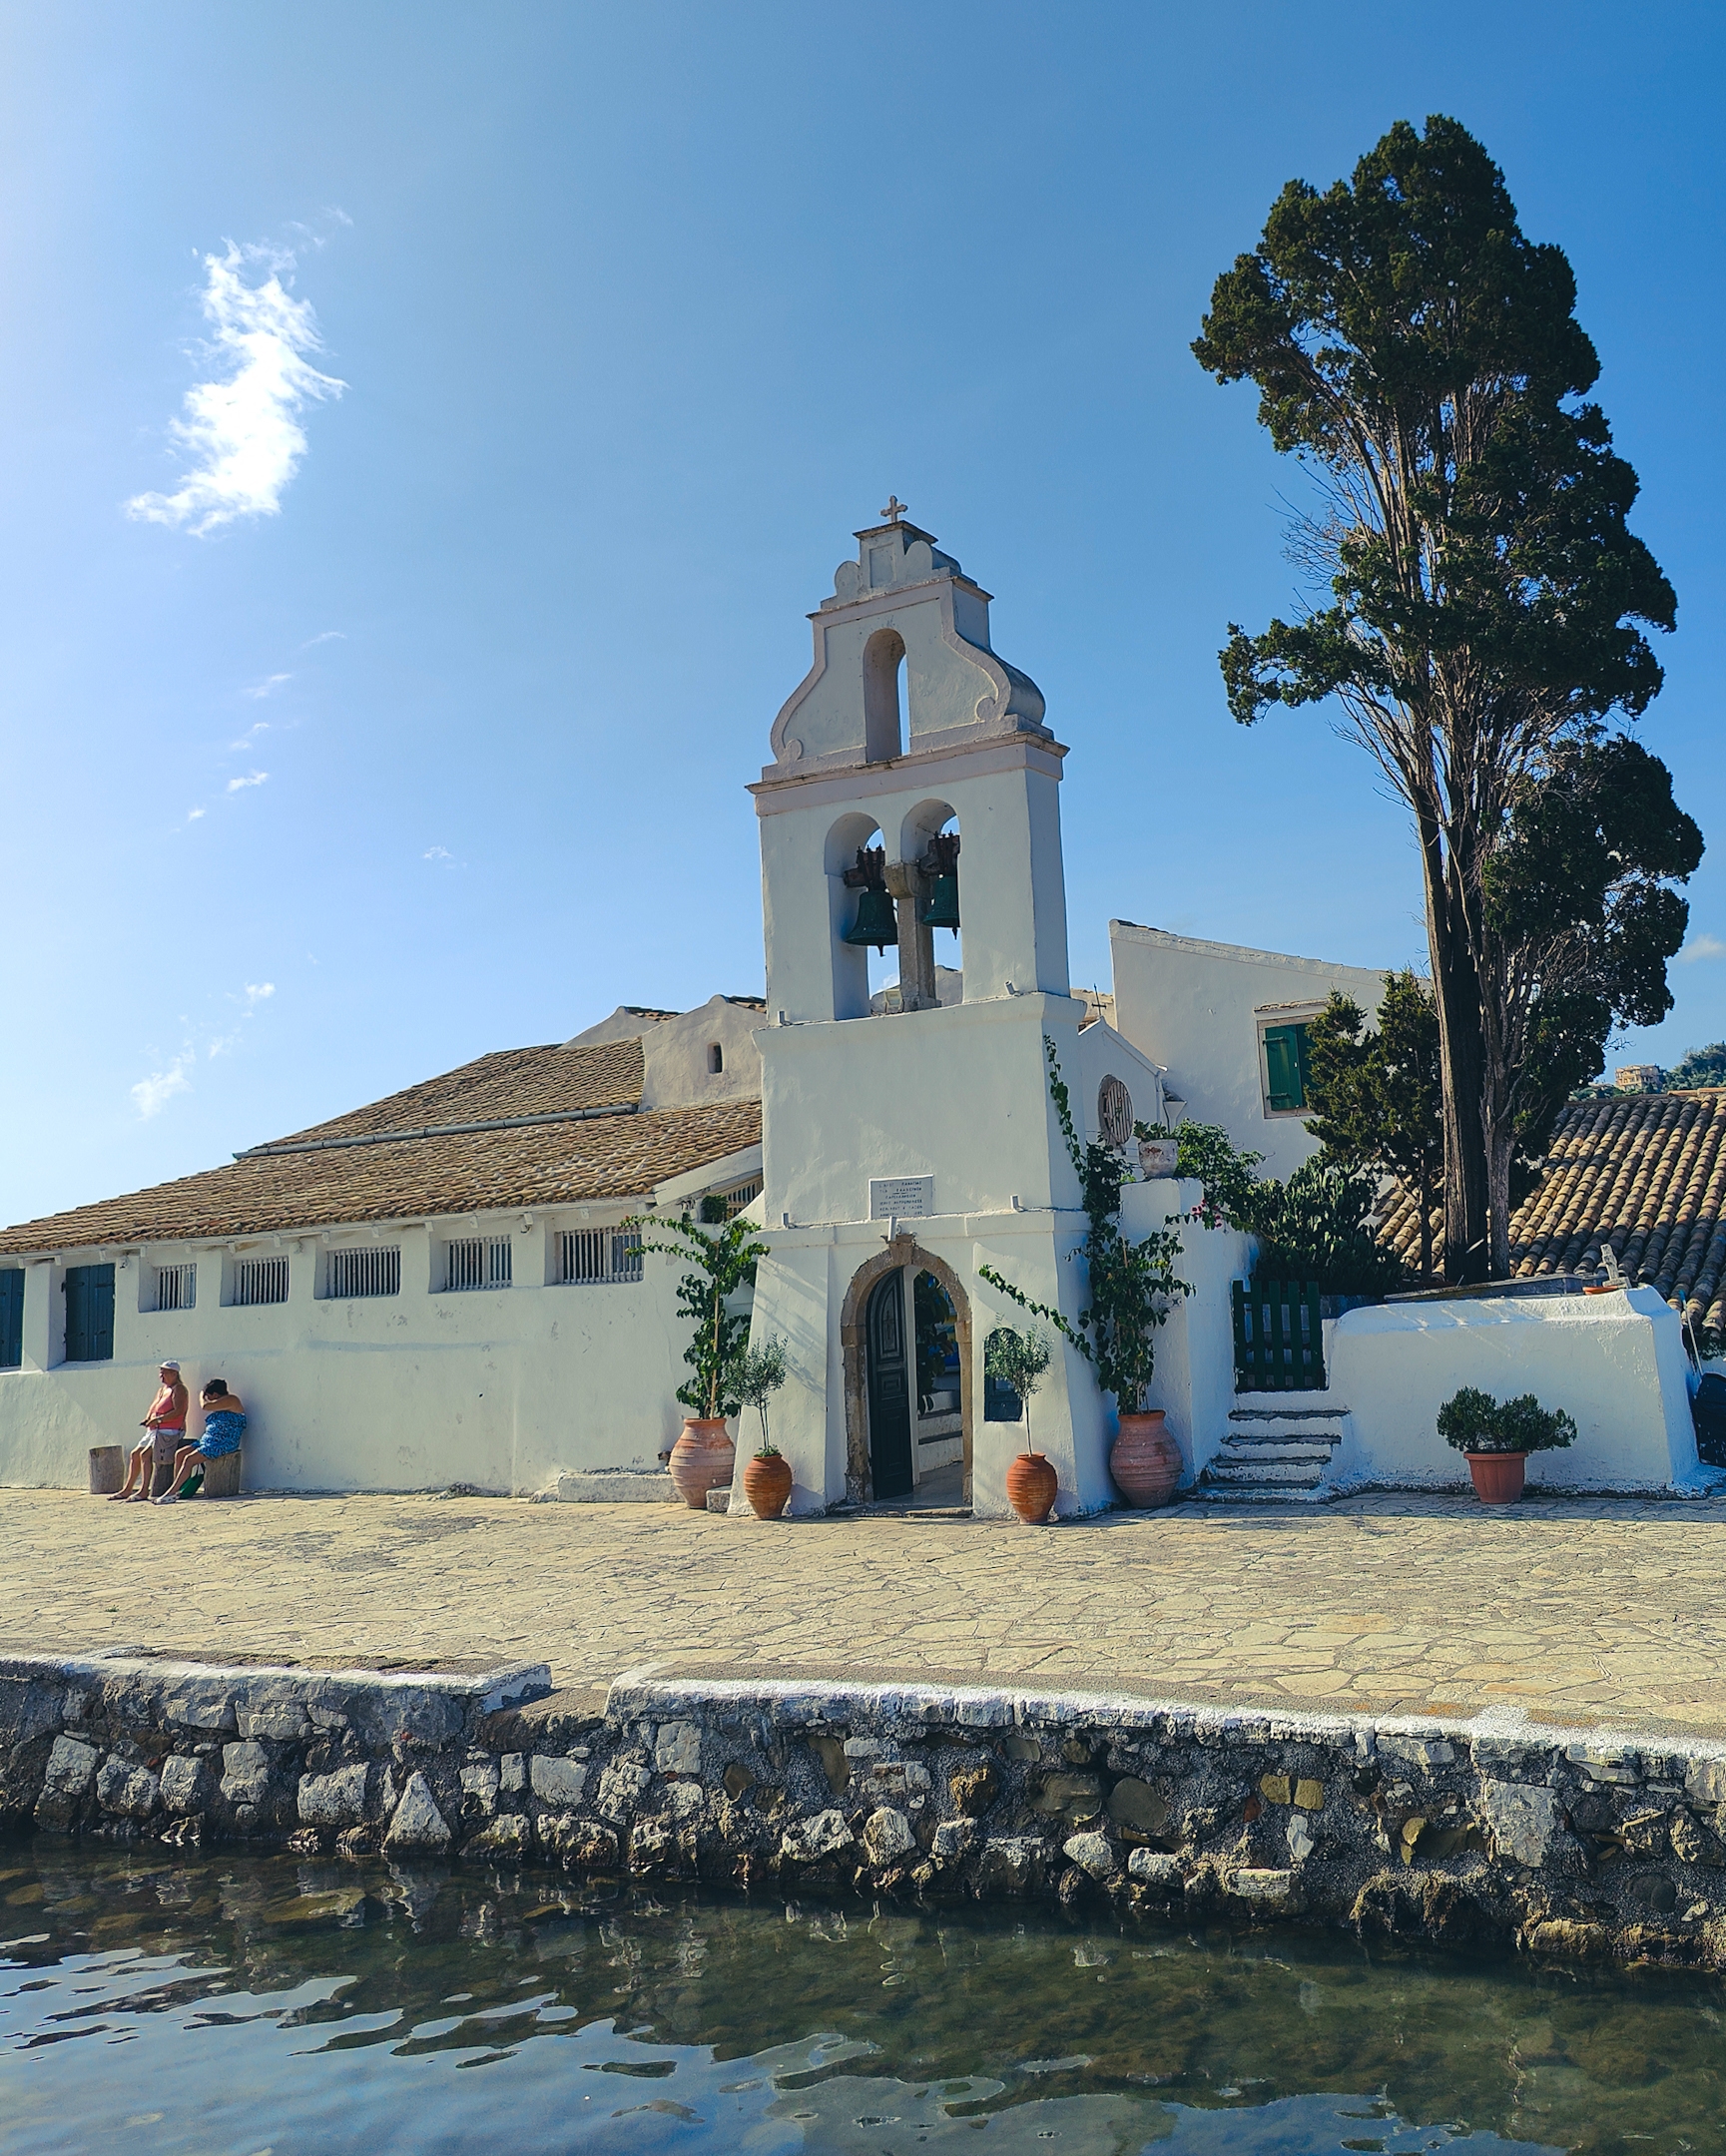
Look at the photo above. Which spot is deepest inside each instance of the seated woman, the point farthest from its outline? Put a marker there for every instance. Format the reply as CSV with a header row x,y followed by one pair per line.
x,y
224,1427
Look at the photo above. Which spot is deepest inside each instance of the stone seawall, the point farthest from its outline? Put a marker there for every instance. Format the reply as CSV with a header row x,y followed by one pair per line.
x,y
1563,1842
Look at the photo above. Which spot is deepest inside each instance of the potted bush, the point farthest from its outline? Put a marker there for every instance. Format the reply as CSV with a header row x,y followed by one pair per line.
x,y
1497,1439
1131,1288
725,1261
1018,1360
767,1476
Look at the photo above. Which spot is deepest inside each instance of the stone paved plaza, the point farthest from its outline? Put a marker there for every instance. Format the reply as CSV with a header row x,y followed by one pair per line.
x,y
1591,1613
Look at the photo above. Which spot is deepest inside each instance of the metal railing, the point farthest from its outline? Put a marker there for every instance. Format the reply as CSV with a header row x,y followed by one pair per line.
x,y
175,1286
597,1258
355,1273
477,1262
261,1280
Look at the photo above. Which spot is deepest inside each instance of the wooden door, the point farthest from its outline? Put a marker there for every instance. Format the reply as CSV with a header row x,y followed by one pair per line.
x,y
889,1389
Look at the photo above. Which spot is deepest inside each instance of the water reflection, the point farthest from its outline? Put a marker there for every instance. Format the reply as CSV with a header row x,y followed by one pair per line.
x,y
243,2004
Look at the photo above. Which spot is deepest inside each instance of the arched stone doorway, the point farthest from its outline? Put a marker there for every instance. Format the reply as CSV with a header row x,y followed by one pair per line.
x,y
903,1252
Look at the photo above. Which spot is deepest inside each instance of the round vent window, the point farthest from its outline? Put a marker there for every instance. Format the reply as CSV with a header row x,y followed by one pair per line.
x,y
1114,1112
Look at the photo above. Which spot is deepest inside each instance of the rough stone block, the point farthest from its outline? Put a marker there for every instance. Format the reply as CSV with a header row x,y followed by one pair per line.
x,y
830,1751
127,1788
185,1785
1251,1883
1011,1864
676,1748
619,1787
972,1789
27,1709
71,1767
276,1711
1416,1751
505,1836
333,1800
1521,1819
953,1839
1706,1783
1310,1794
559,1782
1274,1789
417,1823
244,1772
1153,1869
201,1706
823,1835
1606,1763
1073,1796
480,1782
512,1772
1299,1838
1092,1853
887,1837
1136,1804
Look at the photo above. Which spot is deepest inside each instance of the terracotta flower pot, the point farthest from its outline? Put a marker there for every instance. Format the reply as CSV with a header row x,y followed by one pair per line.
x,y
1145,1462
1498,1475
1031,1487
766,1483
700,1459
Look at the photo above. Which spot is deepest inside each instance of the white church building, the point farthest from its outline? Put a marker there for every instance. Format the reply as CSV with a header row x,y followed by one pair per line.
x,y
440,1287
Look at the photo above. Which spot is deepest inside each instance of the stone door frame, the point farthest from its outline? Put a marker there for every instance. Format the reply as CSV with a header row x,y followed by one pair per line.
x,y
904,1250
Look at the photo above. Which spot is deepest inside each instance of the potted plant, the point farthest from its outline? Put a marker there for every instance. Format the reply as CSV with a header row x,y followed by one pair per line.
x,y
1132,1288
1018,1360
1497,1439
1159,1151
725,1261
766,1476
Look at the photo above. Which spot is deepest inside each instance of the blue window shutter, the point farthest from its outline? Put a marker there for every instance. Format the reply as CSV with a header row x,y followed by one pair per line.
x,y
90,1314
11,1317
1285,1067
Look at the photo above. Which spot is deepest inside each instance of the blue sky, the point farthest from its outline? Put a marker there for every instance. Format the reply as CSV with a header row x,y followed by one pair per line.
x,y
602,328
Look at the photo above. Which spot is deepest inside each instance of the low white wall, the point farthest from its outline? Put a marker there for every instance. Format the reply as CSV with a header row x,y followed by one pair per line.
x,y
1615,1363
500,1388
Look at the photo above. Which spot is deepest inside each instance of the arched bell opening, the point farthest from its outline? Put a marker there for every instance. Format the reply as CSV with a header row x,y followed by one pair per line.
x,y
858,907
884,716
914,1310
930,849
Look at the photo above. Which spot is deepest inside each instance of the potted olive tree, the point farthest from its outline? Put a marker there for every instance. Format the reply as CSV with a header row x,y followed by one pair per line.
x,y
1019,1360
1496,1440
767,1476
724,1254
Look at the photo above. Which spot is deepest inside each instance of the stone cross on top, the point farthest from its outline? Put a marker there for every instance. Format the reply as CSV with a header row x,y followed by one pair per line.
x,y
894,510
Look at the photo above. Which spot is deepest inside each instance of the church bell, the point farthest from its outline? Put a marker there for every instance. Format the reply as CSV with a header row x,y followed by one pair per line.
x,y
943,911
876,922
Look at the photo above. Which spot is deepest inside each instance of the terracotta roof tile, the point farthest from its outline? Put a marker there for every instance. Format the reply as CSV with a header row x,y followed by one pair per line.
x,y
444,1173
1644,1172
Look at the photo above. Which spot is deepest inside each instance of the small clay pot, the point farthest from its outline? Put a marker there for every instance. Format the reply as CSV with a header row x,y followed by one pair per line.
x,y
1498,1475
1031,1487
700,1459
766,1483
1145,1462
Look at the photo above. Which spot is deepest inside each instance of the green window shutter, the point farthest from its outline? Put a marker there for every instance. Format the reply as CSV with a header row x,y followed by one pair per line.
x,y
11,1317
1285,1067
90,1314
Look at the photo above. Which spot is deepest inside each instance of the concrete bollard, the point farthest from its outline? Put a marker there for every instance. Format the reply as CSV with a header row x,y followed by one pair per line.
x,y
222,1476
106,1470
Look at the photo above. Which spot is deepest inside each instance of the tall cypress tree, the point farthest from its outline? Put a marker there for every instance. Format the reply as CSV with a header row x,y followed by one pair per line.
x,y
1486,598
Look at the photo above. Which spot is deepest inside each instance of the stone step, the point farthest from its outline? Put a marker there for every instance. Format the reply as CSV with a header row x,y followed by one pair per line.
x,y
1269,1451
1281,1473
1287,1415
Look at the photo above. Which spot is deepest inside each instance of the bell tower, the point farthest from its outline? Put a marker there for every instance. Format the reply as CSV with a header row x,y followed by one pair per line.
x,y
914,786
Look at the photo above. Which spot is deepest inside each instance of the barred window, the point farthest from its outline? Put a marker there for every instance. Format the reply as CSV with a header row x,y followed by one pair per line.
x,y
477,1262
739,1196
261,1280
598,1257
354,1273
175,1286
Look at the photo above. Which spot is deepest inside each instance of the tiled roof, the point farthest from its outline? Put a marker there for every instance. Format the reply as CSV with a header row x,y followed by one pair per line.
x,y
1642,1171
443,1171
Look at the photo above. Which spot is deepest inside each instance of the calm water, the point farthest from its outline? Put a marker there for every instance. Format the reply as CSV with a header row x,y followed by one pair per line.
x,y
232,2006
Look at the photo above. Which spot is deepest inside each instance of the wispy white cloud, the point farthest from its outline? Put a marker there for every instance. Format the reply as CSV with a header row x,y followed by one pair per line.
x,y
1702,946
256,992
267,687
257,777
241,432
250,736
151,1095
192,814
325,636
438,852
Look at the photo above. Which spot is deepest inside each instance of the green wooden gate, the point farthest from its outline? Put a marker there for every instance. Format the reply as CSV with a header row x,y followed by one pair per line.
x,y
1279,1340
90,1314
11,1317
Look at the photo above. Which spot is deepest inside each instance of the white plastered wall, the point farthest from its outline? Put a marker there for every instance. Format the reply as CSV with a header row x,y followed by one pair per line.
x,y
1615,1363
1197,1009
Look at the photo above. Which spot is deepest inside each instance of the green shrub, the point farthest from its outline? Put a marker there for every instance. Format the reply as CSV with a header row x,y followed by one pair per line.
x,y
1473,1421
